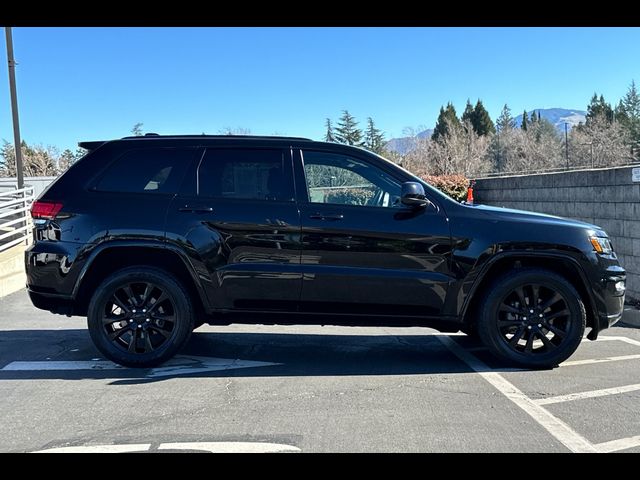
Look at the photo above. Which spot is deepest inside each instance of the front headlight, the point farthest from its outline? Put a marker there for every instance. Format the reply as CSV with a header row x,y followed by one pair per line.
x,y
601,245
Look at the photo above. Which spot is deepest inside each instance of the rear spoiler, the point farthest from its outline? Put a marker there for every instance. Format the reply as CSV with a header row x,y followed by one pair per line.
x,y
91,145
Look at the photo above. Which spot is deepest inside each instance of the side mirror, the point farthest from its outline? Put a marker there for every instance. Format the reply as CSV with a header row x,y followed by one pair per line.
x,y
412,195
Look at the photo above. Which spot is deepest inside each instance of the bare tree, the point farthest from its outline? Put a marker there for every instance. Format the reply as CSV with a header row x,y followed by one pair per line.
x,y
416,158
234,131
537,148
38,160
600,143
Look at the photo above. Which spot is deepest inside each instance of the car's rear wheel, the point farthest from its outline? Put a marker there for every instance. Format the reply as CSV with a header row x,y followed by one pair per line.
x,y
533,318
140,317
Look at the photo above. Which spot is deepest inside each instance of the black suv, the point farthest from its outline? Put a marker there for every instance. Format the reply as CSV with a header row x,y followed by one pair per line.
x,y
150,237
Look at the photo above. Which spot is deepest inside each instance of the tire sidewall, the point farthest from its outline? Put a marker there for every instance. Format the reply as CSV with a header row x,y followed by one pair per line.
x,y
493,339
183,312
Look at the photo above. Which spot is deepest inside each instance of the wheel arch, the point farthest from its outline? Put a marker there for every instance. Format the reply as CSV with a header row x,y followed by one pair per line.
x,y
113,256
563,265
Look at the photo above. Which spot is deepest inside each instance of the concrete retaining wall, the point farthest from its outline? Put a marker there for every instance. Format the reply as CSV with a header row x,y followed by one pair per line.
x,y
605,197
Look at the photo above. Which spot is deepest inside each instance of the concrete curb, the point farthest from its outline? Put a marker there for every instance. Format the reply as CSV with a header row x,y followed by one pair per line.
x,y
631,317
12,276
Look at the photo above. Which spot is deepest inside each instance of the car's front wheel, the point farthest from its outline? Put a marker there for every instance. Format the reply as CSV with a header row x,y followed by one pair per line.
x,y
140,317
532,317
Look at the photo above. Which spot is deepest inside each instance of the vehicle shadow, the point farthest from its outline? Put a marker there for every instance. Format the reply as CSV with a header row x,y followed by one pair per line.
x,y
295,354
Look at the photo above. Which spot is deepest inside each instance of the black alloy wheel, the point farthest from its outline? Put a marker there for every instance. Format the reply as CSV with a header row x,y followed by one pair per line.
x,y
532,317
140,317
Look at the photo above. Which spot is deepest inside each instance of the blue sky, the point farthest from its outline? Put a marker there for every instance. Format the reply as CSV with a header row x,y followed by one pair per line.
x,y
95,83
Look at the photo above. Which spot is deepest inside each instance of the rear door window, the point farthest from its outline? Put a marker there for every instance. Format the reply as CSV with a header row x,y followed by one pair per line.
x,y
149,170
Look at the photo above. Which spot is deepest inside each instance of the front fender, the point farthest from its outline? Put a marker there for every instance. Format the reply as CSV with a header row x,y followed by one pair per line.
x,y
482,272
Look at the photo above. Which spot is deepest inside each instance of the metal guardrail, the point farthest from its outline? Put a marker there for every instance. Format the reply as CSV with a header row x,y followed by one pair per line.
x,y
15,220
573,168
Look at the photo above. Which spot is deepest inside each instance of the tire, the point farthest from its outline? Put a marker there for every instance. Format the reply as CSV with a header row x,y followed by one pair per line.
x,y
145,338
528,327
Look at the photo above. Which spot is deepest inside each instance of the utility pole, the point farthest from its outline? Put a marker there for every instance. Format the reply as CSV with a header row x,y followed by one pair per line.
x,y
566,144
14,108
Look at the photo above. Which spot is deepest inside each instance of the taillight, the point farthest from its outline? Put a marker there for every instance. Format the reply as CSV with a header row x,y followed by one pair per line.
x,y
45,210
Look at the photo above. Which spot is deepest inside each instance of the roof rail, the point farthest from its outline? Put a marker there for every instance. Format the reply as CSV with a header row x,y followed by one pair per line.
x,y
253,137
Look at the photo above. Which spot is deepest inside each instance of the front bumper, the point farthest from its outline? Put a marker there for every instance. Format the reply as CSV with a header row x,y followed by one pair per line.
x,y
609,299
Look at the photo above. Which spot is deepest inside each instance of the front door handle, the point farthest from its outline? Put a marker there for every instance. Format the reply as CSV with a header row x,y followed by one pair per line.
x,y
321,216
195,209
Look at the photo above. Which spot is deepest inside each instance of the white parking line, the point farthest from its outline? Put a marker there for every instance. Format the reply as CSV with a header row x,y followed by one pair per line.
x,y
140,447
628,340
620,444
599,360
589,394
213,447
556,427
62,365
180,365
231,447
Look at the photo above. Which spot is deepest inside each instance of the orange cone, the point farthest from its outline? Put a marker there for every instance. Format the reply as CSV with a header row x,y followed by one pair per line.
x,y
470,194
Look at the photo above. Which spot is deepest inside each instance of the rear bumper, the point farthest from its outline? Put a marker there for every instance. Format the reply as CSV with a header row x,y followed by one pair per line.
x,y
61,304
52,267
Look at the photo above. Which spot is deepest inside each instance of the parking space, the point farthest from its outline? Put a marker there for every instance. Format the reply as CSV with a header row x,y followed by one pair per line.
x,y
311,389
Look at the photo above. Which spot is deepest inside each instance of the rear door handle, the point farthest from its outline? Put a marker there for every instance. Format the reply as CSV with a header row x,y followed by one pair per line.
x,y
320,216
195,209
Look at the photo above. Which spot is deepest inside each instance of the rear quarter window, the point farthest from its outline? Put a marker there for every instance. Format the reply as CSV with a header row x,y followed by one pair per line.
x,y
149,170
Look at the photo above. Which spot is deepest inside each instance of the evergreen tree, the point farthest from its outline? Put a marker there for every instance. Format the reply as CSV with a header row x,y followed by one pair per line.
x,y
525,120
482,123
628,114
599,107
505,121
67,158
533,118
7,159
446,117
79,153
468,114
347,131
544,131
374,138
329,135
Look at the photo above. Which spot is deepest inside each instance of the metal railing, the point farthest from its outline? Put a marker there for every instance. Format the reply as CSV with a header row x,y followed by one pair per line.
x,y
534,171
15,220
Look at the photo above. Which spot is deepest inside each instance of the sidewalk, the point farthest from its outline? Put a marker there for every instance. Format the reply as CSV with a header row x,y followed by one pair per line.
x,y
631,317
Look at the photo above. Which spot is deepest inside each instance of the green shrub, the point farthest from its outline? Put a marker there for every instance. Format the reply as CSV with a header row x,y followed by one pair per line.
x,y
453,185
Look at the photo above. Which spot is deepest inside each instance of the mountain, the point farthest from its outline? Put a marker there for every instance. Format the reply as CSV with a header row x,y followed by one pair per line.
x,y
403,145
558,117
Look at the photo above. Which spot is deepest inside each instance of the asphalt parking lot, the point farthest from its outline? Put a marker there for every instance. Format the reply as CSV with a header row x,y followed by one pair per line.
x,y
309,389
